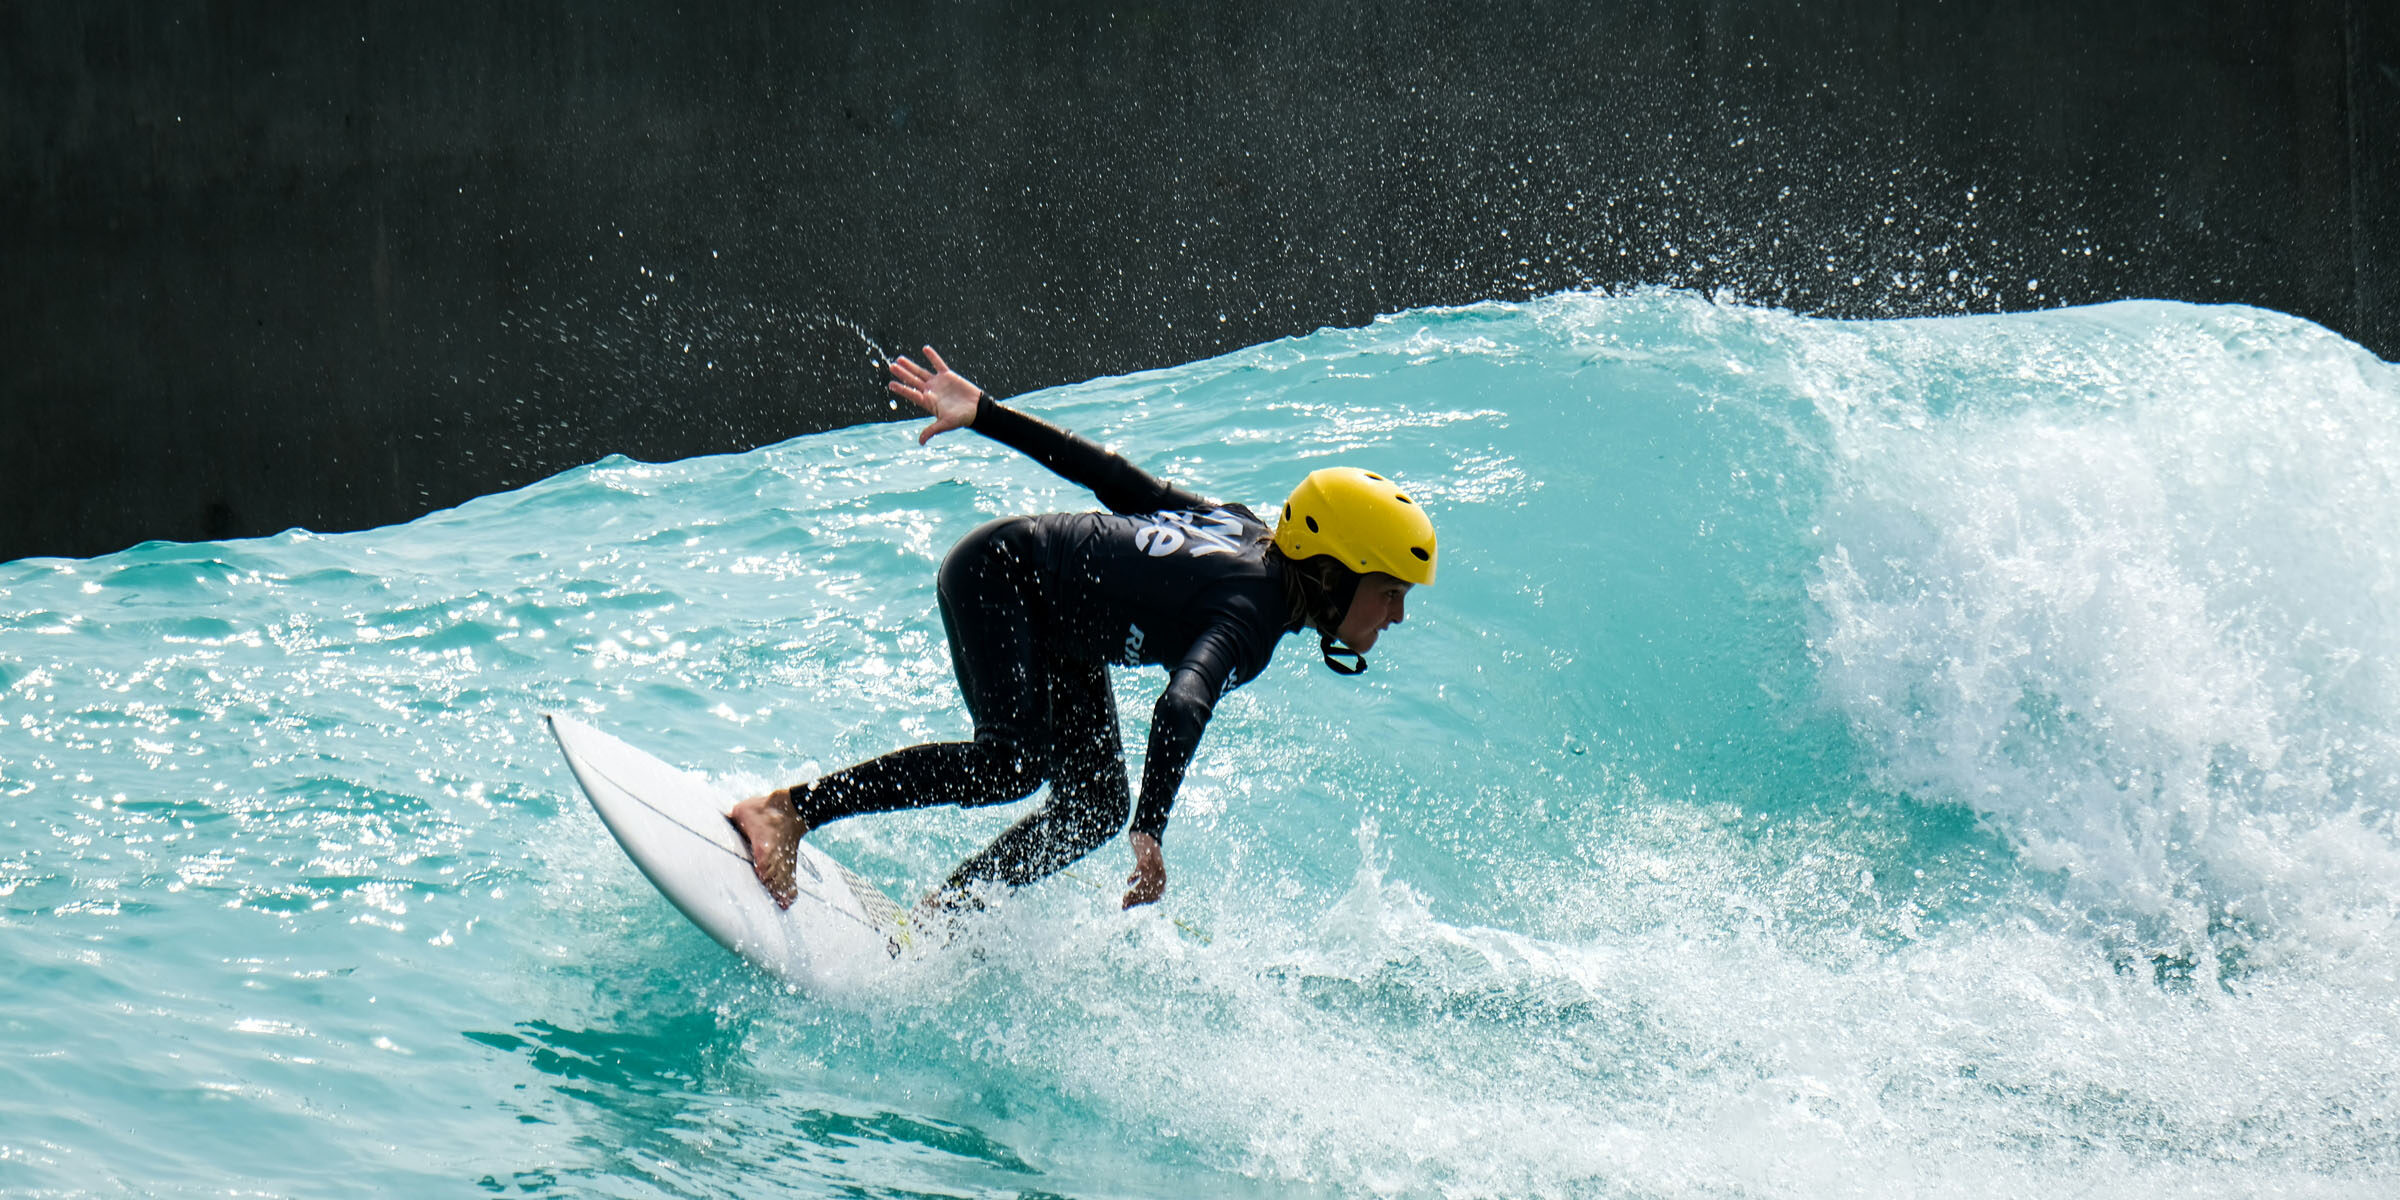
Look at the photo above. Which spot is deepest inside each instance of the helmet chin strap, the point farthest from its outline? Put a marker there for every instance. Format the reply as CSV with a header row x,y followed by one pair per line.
x,y
1335,650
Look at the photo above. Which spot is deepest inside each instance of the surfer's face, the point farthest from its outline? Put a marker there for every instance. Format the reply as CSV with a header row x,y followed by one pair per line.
x,y
1380,603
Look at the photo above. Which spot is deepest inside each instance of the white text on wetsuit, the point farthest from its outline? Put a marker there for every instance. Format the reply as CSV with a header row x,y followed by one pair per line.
x,y
1168,532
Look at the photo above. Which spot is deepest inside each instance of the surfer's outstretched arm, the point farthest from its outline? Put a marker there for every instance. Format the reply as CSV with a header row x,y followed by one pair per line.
x,y
956,403
945,394
1176,723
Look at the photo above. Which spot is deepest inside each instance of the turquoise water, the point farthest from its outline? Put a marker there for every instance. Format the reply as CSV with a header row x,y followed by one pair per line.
x,y
1948,757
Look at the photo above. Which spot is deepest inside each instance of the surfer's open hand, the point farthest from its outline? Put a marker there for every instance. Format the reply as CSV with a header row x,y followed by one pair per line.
x,y
941,391
772,830
1149,878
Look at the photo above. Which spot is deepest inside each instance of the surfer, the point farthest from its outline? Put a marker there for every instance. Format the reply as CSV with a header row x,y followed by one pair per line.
x,y
1037,607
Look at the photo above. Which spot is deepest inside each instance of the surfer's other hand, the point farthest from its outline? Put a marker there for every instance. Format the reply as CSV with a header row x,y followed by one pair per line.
x,y
941,391
1149,878
771,828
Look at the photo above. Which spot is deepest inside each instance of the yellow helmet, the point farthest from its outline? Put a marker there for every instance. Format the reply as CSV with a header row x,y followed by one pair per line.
x,y
1361,519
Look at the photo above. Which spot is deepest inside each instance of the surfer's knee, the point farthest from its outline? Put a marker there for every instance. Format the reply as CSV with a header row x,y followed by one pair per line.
x,y
1012,768
1095,810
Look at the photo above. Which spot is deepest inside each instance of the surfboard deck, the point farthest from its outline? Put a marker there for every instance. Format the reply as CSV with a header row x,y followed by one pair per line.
x,y
839,930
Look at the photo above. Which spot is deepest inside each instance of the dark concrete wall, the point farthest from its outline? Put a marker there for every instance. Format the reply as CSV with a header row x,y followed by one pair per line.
x,y
334,266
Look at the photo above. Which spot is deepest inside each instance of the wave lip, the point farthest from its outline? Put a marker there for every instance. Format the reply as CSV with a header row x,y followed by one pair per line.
x,y
2140,610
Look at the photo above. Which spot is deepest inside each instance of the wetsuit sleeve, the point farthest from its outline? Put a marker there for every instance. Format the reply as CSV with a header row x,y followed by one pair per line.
x,y
1181,714
1120,485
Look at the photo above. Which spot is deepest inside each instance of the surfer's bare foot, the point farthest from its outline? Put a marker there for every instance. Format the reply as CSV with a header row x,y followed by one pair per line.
x,y
939,914
772,828
949,901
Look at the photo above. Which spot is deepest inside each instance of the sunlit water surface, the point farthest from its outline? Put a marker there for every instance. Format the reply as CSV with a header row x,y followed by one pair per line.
x,y
1950,757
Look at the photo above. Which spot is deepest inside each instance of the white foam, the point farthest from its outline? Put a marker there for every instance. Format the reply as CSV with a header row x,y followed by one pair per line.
x,y
2140,608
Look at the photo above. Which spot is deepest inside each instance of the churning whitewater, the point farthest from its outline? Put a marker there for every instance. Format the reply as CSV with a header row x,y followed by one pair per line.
x,y
1936,757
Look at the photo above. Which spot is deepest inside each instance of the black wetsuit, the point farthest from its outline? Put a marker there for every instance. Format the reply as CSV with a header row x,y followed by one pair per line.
x,y
1035,608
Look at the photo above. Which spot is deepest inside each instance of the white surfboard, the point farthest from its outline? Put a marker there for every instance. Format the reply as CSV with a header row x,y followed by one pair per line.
x,y
839,930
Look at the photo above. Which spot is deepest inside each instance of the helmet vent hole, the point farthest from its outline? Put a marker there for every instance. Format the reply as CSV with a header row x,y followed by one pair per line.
x,y
1372,475
1419,551
1312,523
1404,500
1287,512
